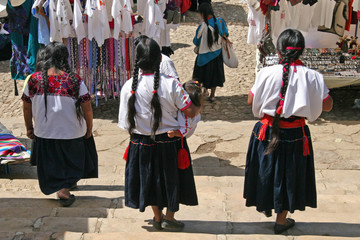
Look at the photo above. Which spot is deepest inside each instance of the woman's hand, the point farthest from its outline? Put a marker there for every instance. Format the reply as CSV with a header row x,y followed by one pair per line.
x,y
88,135
30,133
88,115
171,134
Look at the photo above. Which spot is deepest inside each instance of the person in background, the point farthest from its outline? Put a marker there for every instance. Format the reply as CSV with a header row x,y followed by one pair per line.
x,y
279,172
59,103
149,104
167,66
209,65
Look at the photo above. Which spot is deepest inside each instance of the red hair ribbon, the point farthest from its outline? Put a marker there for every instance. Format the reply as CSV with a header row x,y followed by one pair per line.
x,y
293,48
132,92
155,91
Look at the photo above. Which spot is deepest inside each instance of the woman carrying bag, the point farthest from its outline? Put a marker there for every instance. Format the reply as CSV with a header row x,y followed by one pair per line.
x,y
209,64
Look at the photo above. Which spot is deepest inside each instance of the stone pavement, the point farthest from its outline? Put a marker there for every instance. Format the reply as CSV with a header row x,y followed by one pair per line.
x,y
218,152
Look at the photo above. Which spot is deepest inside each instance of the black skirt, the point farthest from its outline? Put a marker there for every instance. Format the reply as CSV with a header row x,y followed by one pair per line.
x,y
62,163
212,74
283,180
152,177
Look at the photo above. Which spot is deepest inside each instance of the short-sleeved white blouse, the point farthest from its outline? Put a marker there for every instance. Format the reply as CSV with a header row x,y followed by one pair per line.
x,y
172,96
304,97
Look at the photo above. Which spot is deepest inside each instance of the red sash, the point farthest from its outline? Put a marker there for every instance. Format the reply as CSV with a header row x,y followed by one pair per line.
x,y
267,121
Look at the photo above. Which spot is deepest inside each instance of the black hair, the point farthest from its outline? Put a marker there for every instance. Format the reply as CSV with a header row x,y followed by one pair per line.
x,y
195,93
139,39
41,57
290,45
57,57
147,58
207,11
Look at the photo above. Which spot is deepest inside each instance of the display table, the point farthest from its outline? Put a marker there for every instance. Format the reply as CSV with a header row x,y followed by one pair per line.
x,y
339,69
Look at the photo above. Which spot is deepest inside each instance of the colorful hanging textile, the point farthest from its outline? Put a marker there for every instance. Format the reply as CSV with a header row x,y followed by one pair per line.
x,y
103,69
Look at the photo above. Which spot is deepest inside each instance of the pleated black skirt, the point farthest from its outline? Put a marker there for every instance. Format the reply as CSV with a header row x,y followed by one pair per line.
x,y
62,163
152,177
283,180
212,74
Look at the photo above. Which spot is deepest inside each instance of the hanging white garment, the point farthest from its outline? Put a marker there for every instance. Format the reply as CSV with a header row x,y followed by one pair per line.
x,y
55,33
279,19
356,5
121,11
79,25
256,22
324,10
141,5
301,16
64,17
153,20
98,24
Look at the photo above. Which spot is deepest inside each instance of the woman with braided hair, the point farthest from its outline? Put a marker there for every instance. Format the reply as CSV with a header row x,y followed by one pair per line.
x,y
279,171
59,103
209,64
149,104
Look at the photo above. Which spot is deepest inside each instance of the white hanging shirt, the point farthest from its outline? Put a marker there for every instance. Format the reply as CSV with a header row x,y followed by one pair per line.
x,y
301,16
64,16
256,22
98,24
153,20
121,11
279,19
323,16
172,96
79,25
356,5
55,32
304,97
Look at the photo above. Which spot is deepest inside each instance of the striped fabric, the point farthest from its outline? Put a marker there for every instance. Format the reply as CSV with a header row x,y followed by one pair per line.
x,y
10,147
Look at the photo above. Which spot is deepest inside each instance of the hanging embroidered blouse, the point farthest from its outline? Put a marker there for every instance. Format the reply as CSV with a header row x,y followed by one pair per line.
x,y
64,17
98,24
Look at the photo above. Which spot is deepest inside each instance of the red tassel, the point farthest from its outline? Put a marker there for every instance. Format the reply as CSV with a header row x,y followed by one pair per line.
x,y
306,150
279,110
262,132
126,153
183,157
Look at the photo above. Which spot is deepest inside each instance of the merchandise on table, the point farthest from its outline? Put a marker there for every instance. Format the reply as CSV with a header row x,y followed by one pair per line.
x,y
328,61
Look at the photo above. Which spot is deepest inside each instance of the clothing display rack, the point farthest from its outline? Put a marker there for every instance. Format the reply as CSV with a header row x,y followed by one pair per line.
x,y
99,35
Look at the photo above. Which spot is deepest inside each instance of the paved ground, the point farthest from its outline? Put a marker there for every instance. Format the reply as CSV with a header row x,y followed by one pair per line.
x,y
218,150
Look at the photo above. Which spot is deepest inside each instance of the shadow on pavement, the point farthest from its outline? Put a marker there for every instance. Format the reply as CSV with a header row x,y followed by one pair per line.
x,y
217,167
335,229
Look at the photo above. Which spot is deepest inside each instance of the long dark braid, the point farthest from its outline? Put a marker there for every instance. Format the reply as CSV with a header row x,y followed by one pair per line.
x,y
155,101
291,44
206,10
148,58
131,103
45,84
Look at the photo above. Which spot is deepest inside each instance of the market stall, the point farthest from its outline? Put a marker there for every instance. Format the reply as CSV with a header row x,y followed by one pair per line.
x,y
330,29
99,35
